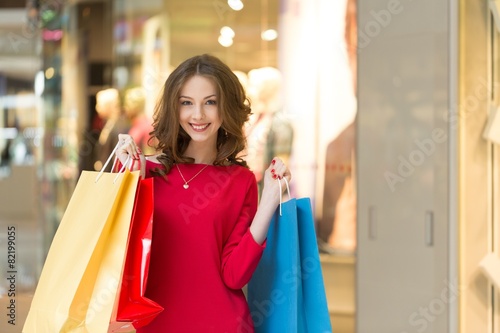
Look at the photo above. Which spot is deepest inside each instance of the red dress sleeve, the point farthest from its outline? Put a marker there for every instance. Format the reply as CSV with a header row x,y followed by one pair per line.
x,y
240,253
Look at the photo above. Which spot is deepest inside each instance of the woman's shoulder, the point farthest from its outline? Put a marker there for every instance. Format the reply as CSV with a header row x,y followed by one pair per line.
x,y
152,159
153,165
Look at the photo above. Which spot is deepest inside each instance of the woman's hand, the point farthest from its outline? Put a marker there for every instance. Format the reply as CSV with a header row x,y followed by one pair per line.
x,y
270,199
128,148
276,172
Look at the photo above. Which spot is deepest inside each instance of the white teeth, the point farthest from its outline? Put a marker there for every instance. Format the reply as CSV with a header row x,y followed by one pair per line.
x,y
199,128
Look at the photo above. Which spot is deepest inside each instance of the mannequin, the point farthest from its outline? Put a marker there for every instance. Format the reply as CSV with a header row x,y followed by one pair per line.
x,y
337,229
269,133
109,110
134,104
338,226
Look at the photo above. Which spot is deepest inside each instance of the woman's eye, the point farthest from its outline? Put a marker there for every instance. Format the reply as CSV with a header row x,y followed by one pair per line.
x,y
185,103
212,102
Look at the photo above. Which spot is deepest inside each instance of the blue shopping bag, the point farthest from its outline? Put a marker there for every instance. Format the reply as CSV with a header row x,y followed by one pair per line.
x,y
286,292
314,304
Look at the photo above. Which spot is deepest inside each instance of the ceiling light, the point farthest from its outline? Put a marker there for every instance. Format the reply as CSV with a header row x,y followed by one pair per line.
x,y
235,4
225,41
49,73
269,34
227,32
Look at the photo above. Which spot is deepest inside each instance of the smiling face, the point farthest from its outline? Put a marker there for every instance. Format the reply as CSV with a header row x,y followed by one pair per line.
x,y
199,111
201,114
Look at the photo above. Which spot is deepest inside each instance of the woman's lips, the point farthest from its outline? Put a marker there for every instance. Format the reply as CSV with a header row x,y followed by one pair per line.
x,y
199,127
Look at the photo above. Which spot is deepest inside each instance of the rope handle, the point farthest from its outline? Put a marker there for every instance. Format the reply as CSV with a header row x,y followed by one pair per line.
x,y
123,168
281,191
114,163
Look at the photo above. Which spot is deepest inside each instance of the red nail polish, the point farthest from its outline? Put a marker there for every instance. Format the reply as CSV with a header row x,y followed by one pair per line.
x,y
279,177
272,170
274,176
273,162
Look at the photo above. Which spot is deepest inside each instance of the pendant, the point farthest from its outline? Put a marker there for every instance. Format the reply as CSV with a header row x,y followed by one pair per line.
x,y
186,186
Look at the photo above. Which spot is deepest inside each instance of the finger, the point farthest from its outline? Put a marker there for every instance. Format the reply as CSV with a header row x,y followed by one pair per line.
x,y
128,146
133,150
275,167
279,170
123,138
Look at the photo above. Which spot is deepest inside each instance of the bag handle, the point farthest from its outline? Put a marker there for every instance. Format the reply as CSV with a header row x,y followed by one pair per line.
x,y
107,162
123,168
281,191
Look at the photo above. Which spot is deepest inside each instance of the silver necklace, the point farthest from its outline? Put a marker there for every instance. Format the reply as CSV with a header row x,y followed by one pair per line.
x,y
186,182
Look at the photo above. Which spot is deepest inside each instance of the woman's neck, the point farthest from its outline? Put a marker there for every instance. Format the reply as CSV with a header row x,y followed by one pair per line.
x,y
200,153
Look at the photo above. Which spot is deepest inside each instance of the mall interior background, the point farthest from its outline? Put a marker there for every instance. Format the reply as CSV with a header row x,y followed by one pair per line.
x,y
385,110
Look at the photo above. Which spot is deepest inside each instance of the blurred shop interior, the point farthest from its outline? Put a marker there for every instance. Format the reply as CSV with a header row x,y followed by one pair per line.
x,y
57,57
386,111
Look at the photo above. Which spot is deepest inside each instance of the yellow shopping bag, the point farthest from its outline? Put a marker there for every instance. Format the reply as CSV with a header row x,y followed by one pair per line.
x,y
80,278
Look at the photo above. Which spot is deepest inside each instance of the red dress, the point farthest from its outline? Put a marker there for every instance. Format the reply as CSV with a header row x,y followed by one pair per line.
x,y
202,252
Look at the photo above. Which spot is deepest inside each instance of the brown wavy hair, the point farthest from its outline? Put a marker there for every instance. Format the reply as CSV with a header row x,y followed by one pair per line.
x,y
234,111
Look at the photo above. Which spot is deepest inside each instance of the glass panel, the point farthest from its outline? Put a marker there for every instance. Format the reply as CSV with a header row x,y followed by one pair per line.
x,y
50,129
21,142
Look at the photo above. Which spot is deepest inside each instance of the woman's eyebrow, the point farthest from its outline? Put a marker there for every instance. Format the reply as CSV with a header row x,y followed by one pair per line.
x,y
209,96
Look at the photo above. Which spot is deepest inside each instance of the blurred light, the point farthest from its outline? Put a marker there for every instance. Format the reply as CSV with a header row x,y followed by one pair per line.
x,y
39,84
57,141
269,34
235,4
227,32
52,35
97,165
8,133
121,76
18,101
32,133
225,41
48,15
49,73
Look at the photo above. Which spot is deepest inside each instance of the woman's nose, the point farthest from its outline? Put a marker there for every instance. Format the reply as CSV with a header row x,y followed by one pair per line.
x,y
198,112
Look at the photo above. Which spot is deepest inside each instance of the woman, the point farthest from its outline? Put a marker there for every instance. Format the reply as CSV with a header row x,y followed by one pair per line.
x,y
209,233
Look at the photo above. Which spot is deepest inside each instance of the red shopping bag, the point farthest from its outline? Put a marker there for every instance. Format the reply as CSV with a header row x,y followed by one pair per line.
x,y
133,309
